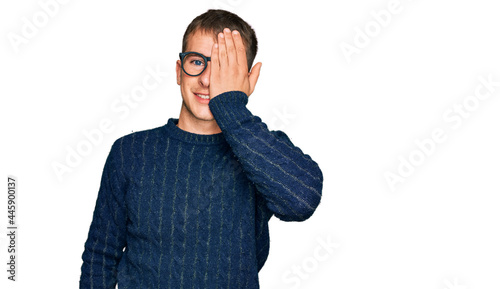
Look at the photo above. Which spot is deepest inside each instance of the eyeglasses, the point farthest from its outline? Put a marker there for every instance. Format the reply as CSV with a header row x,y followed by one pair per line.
x,y
193,63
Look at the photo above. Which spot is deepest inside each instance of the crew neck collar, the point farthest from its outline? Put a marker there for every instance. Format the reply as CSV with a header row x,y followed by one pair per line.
x,y
174,131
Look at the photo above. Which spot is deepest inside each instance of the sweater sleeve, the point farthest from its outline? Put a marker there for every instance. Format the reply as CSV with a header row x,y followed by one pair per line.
x,y
106,237
289,180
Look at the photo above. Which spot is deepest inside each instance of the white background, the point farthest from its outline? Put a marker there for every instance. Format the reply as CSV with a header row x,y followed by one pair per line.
x,y
358,119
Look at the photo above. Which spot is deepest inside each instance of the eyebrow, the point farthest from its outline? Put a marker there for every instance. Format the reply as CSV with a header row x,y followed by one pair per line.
x,y
207,57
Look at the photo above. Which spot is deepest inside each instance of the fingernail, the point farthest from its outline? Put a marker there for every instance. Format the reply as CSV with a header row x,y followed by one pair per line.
x,y
221,35
235,32
227,30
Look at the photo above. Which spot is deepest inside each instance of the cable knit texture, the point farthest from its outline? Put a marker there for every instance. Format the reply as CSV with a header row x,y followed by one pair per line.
x,y
182,210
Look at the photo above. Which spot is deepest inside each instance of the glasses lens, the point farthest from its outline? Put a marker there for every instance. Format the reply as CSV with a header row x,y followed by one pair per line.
x,y
194,64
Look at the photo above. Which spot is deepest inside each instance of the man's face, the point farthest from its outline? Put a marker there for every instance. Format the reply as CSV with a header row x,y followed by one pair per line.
x,y
195,107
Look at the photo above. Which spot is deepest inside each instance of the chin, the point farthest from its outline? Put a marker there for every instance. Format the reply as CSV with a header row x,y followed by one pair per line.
x,y
198,112
205,116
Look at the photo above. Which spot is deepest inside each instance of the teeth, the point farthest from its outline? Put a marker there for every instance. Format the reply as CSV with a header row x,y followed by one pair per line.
x,y
203,96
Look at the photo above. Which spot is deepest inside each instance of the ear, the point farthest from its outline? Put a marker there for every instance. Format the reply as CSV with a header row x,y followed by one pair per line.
x,y
178,71
254,76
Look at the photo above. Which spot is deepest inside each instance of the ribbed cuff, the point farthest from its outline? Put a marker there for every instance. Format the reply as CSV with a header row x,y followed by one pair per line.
x,y
229,109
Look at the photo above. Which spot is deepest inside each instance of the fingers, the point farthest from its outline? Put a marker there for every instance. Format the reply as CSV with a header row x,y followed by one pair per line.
x,y
241,55
229,67
230,49
222,49
215,58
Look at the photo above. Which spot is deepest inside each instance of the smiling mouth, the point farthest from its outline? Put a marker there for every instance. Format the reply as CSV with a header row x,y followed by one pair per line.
x,y
203,96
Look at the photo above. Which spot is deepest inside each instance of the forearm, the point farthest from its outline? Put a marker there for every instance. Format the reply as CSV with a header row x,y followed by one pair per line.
x,y
290,181
100,258
106,237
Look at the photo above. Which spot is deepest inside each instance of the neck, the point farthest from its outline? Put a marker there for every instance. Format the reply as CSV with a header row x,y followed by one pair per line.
x,y
188,122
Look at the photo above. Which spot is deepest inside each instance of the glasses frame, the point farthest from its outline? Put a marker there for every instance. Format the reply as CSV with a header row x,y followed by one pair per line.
x,y
182,55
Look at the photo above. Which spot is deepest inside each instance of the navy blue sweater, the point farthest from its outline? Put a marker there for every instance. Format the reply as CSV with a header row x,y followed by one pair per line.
x,y
182,210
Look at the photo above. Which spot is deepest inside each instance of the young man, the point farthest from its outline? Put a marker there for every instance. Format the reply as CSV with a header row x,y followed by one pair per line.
x,y
187,205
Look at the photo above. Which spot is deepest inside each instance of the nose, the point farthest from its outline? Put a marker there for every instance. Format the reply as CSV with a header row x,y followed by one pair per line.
x,y
205,76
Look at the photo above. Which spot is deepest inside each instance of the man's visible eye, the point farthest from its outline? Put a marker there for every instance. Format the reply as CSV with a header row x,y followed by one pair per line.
x,y
198,62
